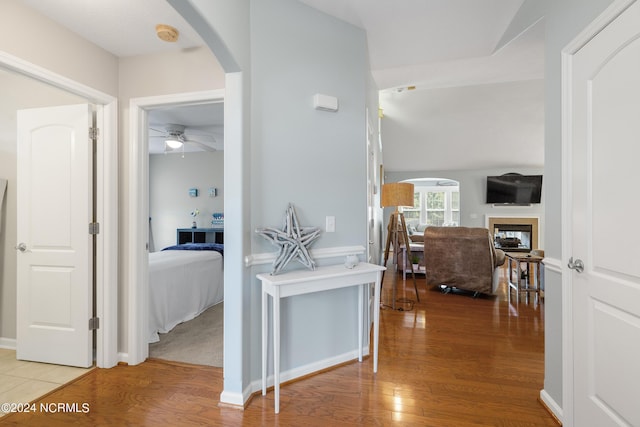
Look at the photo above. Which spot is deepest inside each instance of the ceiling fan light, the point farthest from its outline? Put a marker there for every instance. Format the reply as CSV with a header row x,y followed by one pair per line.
x,y
173,143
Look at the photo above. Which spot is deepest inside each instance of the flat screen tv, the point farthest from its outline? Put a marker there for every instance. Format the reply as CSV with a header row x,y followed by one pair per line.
x,y
514,188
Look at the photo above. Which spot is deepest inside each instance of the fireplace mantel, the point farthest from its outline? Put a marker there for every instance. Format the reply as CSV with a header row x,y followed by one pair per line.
x,y
534,222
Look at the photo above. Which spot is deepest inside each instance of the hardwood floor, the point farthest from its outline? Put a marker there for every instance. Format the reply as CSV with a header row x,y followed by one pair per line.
x,y
449,360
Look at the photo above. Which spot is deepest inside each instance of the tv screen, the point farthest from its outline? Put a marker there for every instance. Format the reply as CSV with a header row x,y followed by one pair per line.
x,y
514,189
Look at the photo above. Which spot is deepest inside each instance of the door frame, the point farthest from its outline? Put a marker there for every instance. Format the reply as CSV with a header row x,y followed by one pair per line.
x,y
604,19
138,275
106,297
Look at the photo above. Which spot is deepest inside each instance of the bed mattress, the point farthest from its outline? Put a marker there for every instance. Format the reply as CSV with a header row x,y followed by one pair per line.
x,y
182,284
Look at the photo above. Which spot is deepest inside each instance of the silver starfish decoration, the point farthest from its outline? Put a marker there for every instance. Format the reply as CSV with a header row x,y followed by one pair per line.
x,y
294,241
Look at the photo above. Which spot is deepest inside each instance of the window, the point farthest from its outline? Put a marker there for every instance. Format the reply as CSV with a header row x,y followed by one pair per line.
x,y
439,206
412,215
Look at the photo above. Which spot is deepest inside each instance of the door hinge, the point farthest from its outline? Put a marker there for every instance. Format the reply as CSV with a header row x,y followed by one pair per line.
x,y
94,228
94,323
94,133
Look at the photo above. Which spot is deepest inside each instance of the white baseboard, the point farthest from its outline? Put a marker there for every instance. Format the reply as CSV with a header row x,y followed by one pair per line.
x,y
551,404
8,343
237,399
123,358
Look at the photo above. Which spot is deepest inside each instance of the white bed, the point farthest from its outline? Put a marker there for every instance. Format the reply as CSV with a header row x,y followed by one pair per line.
x,y
182,284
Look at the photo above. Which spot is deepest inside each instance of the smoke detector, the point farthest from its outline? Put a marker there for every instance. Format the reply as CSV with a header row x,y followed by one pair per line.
x,y
167,33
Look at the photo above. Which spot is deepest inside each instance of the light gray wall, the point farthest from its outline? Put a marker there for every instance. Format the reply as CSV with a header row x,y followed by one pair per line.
x,y
279,53
313,159
468,127
37,39
170,205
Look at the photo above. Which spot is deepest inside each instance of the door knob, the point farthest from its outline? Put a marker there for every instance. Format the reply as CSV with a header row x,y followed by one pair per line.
x,y
576,265
21,247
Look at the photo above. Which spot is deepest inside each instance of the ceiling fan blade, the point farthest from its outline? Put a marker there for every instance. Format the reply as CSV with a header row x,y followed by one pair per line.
x,y
201,145
162,131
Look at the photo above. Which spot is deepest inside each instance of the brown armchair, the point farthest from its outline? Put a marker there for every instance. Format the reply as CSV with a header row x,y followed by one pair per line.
x,y
462,258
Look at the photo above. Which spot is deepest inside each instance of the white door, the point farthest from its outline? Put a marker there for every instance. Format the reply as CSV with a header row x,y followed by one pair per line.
x,y
54,271
604,186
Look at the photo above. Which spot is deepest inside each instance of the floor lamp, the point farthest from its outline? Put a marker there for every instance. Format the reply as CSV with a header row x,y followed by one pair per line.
x,y
394,195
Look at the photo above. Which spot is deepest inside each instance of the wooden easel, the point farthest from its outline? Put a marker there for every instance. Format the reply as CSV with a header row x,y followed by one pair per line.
x,y
397,232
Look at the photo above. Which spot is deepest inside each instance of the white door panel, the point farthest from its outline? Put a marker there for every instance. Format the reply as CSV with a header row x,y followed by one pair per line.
x,y
54,295
605,128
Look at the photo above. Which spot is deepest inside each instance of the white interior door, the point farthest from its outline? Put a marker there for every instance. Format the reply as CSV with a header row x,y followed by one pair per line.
x,y
605,127
54,271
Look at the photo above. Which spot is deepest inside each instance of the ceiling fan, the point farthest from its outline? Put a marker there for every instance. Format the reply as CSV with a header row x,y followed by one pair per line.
x,y
175,138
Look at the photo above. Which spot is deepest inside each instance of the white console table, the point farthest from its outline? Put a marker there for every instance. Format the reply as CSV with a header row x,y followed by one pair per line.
x,y
307,281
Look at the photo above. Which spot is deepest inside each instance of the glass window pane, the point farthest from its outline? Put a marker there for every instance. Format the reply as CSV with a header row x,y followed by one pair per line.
x,y
455,200
411,215
435,200
435,218
416,200
455,217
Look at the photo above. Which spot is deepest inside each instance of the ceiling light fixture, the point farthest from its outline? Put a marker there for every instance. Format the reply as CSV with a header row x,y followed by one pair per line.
x,y
167,33
173,142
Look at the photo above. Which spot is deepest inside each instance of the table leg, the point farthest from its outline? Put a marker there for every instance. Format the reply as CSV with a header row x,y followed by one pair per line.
x,y
265,332
404,263
276,349
512,284
536,279
360,320
376,321
509,279
518,275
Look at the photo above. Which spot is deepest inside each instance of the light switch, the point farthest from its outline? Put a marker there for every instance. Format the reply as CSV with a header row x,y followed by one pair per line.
x,y
331,224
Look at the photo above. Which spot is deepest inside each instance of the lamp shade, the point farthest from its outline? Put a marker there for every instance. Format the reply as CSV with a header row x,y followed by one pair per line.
x,y
397,194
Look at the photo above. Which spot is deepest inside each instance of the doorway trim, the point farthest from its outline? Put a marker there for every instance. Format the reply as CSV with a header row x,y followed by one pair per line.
x,y
106,200
138,276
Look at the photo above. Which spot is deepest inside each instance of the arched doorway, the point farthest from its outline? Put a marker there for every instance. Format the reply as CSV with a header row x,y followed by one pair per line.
x,y
436,203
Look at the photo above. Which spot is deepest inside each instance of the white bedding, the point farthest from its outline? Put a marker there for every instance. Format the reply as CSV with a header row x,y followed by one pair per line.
x,y
182,284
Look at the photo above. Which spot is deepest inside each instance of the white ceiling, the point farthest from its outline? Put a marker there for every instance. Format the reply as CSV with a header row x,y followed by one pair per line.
x,y
441,43
122,27
426,43
204,124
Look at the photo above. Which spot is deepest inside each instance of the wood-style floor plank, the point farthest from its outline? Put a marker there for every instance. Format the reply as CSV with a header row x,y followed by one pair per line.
x,y
449,360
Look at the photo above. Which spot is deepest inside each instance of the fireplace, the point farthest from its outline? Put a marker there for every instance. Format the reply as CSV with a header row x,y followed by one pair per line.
x,y
514,234
512,237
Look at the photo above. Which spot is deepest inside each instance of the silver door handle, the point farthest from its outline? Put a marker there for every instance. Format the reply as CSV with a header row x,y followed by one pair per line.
x,y
576,265
21,247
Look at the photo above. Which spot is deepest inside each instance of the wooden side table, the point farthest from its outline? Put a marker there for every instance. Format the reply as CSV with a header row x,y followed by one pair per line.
x,y
532,282
416,249
300,282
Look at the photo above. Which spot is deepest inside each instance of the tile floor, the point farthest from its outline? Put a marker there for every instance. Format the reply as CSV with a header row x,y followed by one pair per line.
x,y
23,382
